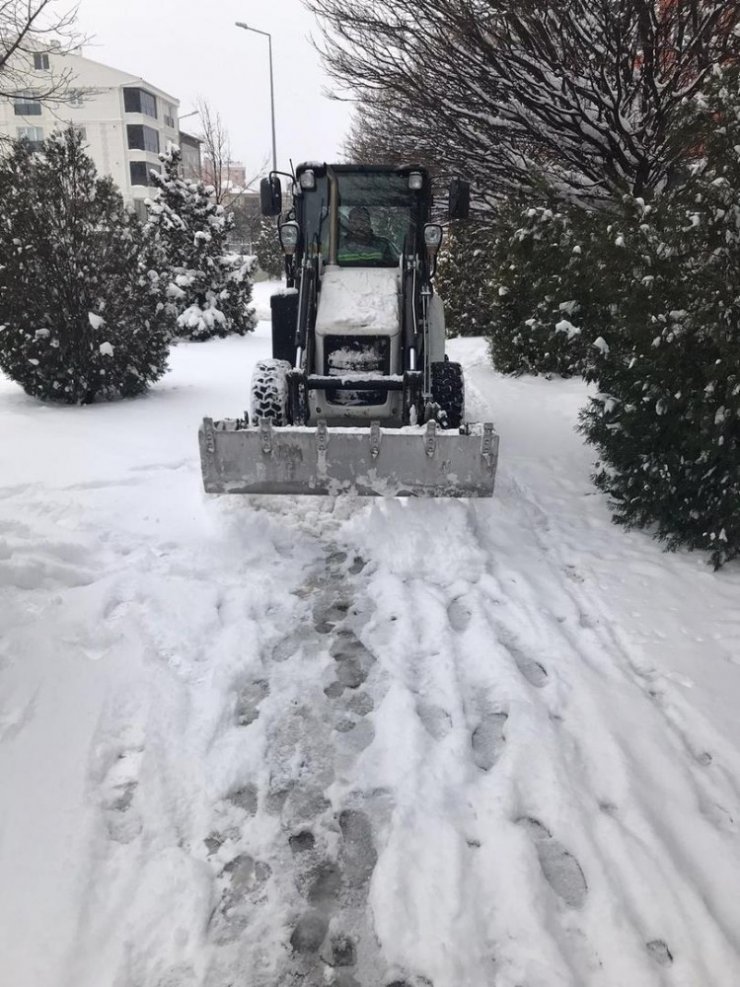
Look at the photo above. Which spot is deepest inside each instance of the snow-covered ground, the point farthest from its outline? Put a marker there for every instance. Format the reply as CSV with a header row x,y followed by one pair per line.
x,y
278,742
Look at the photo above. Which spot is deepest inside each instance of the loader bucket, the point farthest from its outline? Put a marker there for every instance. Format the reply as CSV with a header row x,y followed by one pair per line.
x,y
375,462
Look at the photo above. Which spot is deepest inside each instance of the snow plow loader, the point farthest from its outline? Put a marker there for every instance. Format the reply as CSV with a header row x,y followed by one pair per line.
x,y
359,396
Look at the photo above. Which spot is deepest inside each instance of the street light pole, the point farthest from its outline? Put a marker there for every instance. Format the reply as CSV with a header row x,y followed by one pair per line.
x,y
255,30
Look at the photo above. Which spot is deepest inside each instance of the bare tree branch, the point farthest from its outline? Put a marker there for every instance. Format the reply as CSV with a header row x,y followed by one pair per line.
x,y
29,27
216,149
580,94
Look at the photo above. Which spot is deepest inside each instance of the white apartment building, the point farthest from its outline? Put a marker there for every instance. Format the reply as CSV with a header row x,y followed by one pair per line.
x,y
125,120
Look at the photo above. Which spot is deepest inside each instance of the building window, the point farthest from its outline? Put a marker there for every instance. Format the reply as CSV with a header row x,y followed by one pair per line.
x,y
40,61
75,98
24,106
141,138
34,136
141,172
140,101
169,115
141,210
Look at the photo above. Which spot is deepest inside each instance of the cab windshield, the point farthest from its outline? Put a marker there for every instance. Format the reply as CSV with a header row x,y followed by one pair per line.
x,y
376,212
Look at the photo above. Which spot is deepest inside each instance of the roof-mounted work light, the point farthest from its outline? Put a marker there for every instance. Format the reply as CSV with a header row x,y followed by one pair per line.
x,y
308,179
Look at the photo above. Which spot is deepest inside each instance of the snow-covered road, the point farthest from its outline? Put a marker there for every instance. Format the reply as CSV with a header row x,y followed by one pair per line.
x,y
278,742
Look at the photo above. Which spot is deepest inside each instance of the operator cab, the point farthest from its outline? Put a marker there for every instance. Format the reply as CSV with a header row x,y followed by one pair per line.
x,y
360,215
365,327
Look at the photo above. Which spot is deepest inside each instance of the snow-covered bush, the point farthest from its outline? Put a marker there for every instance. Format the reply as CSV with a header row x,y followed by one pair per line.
x,y
209,288
270,257
666,419
80,306
464,274
516,279
547,291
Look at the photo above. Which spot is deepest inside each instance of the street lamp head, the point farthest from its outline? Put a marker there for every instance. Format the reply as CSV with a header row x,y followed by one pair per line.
x,y
242,24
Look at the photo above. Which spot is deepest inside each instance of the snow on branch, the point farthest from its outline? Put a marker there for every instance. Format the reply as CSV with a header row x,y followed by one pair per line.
x,y
579,93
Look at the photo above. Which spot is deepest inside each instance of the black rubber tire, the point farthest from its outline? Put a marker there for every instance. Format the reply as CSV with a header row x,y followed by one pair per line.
x,y
268,392
448,391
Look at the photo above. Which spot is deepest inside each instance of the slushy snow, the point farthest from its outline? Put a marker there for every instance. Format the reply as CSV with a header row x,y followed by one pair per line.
x,y
282,741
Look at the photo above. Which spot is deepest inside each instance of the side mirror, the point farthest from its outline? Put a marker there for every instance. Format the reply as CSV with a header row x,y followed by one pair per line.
x,y
459,199
271,196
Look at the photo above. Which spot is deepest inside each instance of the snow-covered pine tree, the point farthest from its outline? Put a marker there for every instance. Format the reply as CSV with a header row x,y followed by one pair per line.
x,y
210,288
80,303
666,420
270,257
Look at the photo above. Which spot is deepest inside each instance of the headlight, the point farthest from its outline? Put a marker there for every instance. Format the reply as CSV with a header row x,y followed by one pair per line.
x,y
289,234
307,179
416,181
432,236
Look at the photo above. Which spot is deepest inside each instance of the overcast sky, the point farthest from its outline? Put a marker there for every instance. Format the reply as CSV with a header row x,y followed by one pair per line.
x,y
191,48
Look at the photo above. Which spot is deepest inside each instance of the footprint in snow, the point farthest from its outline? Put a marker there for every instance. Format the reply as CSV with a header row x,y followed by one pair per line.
x,y
361,703
660,952
488,739
309,932
323,884
339,951
288,646
248,699
436,721
532,670
303,805
356,735
214,841
302,842
560,868
117,796
358,855
244,876
327,614
244,798
353,659
459,614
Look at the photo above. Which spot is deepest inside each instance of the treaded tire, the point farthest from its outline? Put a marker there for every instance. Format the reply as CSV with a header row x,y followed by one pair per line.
x,y
268,392
448,391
